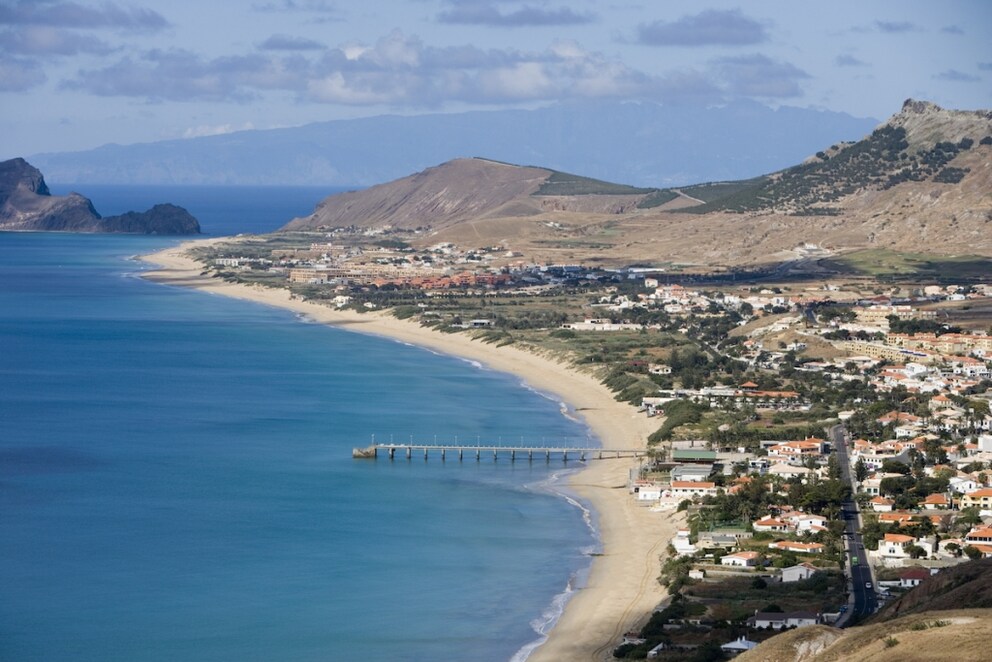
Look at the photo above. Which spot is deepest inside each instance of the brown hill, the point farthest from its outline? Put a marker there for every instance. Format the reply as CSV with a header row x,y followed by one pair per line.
x,y
468,190
947,617
921,182
960,635
966,585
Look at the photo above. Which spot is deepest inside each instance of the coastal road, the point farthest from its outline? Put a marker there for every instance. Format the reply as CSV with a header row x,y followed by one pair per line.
x,y
860,574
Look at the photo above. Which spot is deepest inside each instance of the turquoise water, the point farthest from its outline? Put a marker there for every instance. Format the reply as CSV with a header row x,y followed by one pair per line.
x,y
176,480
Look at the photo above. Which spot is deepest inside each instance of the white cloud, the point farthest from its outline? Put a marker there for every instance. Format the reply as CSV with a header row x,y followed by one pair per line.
x,y
216,129
401,70
47,40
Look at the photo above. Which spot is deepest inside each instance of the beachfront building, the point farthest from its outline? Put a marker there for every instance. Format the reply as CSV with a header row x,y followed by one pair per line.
x,y
682,543
687,489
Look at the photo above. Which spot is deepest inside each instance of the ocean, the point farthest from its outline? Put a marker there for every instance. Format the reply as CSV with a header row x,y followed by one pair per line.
x,y
176,480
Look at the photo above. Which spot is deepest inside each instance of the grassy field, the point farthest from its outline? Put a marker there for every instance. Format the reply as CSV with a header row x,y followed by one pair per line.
x,y
735,597
886,264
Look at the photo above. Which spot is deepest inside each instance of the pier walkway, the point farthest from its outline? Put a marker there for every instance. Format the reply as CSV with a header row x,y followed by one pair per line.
x,y
564,453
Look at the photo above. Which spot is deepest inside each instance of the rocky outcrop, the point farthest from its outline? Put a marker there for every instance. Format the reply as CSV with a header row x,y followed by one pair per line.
x,y
26,204
927,123
160,219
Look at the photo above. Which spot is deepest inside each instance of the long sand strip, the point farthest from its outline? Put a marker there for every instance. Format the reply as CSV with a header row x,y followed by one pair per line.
x,y
622,587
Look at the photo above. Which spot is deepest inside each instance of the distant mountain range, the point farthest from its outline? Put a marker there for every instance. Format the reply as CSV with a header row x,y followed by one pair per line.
x,y
26,204
644,144
922,181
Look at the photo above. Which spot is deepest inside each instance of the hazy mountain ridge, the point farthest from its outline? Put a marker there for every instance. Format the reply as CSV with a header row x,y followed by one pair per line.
x,y
641,143
26,204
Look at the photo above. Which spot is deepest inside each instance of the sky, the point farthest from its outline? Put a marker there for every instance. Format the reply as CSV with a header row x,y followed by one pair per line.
x,y
76,74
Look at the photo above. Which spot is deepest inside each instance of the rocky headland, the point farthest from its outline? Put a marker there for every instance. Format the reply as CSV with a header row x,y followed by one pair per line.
x,y
26,204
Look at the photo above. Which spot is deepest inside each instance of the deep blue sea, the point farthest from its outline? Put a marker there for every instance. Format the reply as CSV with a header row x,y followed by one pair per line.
x,y
176,480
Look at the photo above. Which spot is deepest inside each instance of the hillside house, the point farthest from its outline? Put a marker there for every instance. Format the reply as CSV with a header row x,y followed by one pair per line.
x,y
778,621
740,560
790,450
770,524
882,504
936,502
895,546
798,573
737,646
980,498
979,536
797,547
913,577
808,522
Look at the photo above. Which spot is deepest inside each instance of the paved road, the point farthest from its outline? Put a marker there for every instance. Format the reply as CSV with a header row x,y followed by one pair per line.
x,y
862,581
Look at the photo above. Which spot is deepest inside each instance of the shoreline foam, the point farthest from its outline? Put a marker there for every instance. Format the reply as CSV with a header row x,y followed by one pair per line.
x,y
621,589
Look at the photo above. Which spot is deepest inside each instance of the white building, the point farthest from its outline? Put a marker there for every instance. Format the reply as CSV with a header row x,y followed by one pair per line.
x,y
798,573
740,560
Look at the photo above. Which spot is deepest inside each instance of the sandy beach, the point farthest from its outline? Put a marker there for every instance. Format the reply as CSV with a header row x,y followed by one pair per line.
x,y
622,587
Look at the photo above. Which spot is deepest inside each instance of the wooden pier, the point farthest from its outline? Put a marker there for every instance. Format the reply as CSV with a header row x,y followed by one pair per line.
x,y
563,453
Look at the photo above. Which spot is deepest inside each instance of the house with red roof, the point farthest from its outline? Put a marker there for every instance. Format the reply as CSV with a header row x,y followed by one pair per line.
x,y
913,577
936,502
882,504
981,499
895,546
741,559
981,535
770,524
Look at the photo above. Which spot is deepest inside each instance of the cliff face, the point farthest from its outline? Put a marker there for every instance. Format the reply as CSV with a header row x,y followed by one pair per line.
x,y
27,205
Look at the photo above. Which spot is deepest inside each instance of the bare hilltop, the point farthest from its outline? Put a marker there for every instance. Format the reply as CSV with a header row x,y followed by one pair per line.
x,y
920,182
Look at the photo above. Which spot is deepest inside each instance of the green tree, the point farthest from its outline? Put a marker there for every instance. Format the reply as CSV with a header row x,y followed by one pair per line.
x,y
860,470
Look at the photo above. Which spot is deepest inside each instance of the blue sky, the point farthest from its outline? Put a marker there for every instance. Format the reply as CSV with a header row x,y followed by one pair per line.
x,y
76,74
